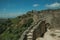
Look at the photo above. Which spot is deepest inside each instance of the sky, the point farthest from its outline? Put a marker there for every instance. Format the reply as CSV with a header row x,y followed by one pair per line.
x,y
13,8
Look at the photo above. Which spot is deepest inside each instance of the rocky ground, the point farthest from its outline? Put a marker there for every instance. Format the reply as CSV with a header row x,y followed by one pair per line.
x,y
51,35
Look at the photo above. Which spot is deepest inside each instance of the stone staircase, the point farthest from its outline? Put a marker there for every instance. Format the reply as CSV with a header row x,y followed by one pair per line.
x,y
29,32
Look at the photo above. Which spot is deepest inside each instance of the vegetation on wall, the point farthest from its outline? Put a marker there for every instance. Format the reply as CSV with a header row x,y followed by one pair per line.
x,y
12,28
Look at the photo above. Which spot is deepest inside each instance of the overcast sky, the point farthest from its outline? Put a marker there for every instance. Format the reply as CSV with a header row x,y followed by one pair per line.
x,y
13,8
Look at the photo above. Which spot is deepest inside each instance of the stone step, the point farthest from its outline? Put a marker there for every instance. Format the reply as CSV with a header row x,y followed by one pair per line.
x,y
29,37
29,34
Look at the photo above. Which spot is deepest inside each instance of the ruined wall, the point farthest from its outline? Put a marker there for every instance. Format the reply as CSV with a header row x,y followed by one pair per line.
x,y
52,17
40,31
35,18
56,20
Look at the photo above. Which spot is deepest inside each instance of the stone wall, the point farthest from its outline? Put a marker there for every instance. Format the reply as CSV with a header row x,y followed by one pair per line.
x,y
40,30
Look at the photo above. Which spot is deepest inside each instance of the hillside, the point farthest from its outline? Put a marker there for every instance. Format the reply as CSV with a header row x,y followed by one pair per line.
x,y
12,29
